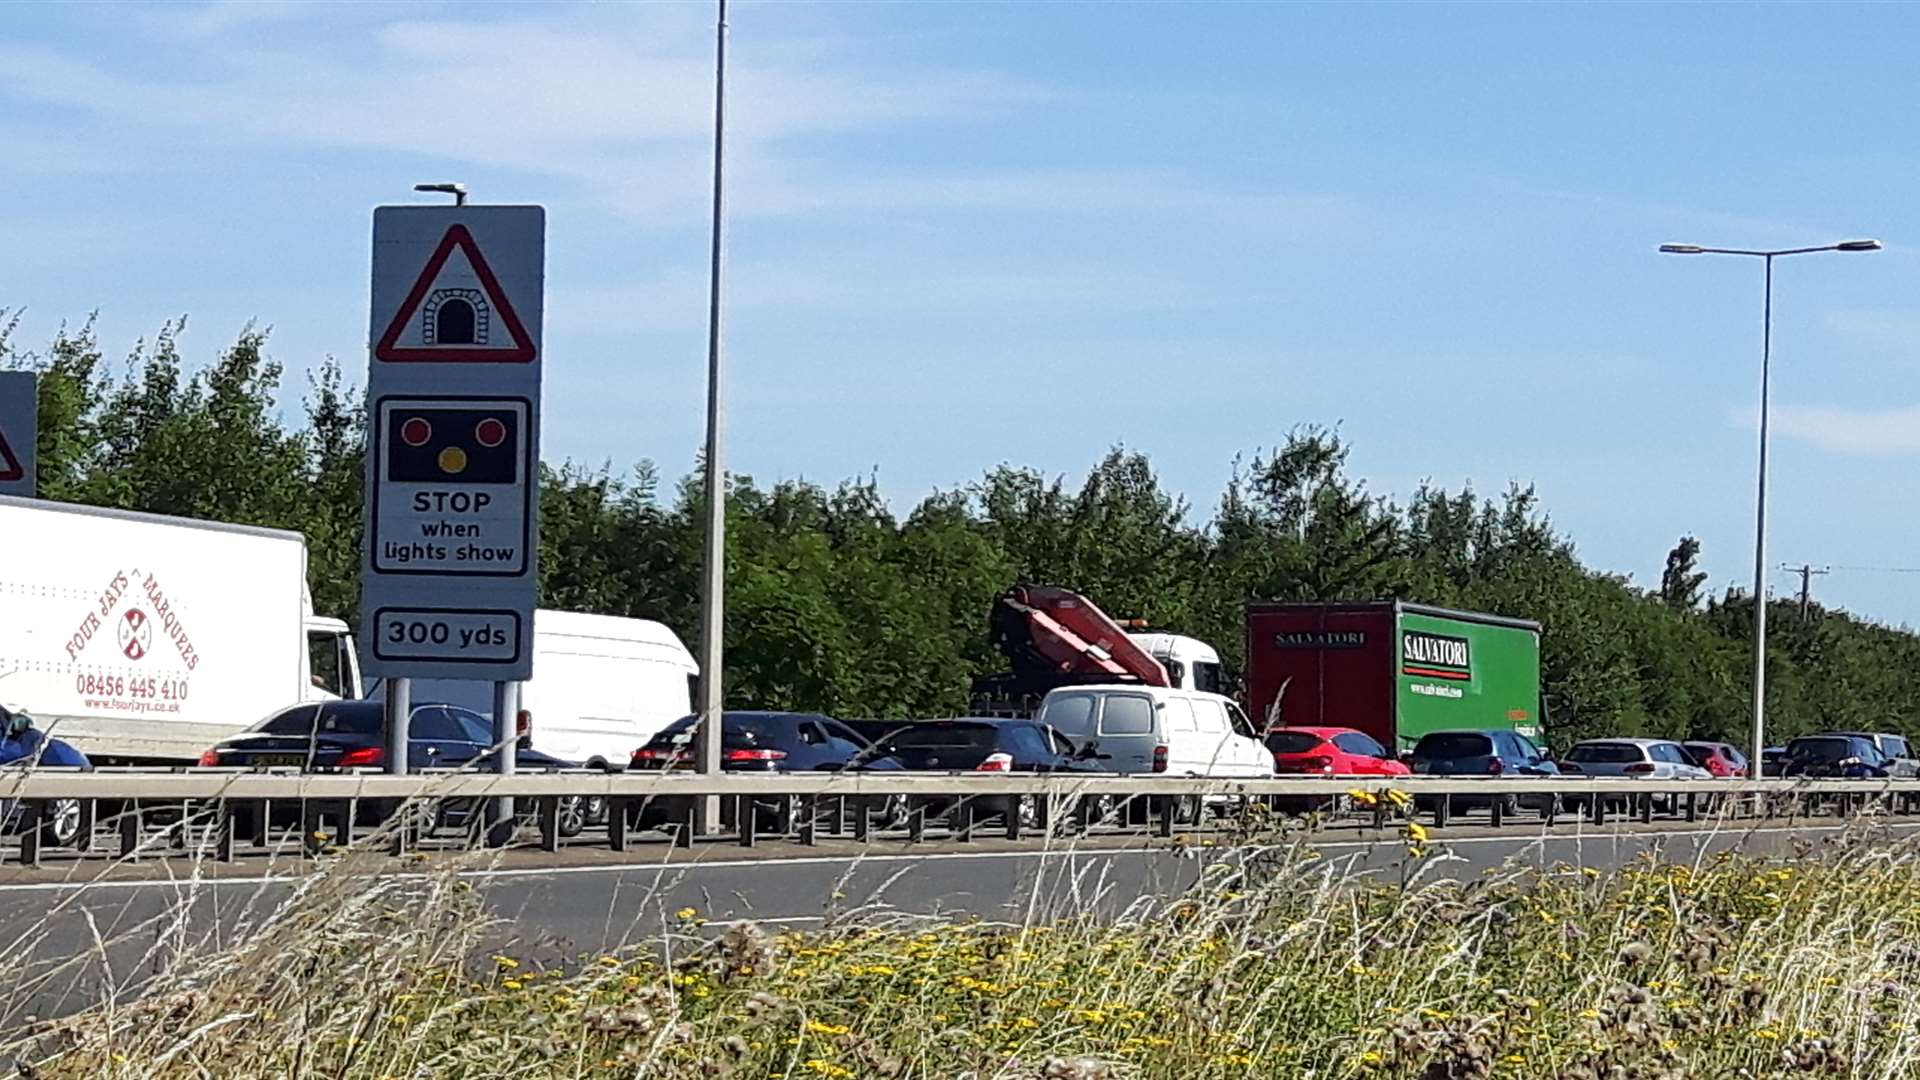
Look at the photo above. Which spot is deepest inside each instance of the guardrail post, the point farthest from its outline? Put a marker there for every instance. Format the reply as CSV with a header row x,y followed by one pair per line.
x,y
917,824
1551,811
31,814
1497,810
810,820
1016,805
748,817
960,821
549,822
1043,812
683,830
1379,816
344,819
1442,810
1693,806
129,826
311,838
223,831
863,817
179,839
1646,809
1597,804
89,811
837,824
617,809
262,834
1168,809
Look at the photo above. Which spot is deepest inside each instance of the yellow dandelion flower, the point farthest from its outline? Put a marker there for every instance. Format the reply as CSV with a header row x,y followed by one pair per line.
x,y
686,914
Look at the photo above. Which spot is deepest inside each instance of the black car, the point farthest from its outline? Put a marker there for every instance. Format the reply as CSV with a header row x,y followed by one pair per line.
x,y
1900,762
1483,753
1834,757
336,735
761,742
983,745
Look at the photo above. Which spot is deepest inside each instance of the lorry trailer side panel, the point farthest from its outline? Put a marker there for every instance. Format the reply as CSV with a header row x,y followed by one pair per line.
x,y
1322,665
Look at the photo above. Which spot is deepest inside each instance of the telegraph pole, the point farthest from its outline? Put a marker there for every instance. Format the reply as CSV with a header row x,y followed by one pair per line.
x,y
1806,572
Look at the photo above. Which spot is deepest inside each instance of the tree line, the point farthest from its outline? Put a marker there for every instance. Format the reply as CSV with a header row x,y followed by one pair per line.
x,y
838,603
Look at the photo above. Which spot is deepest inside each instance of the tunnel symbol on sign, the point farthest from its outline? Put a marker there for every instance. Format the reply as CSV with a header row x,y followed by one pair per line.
x,y
454,317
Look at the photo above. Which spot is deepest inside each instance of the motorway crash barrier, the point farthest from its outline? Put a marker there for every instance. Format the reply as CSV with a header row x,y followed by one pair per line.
x,y
225,799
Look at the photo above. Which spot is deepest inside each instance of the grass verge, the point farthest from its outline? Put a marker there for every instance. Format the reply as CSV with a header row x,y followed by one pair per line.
x,y
1273,967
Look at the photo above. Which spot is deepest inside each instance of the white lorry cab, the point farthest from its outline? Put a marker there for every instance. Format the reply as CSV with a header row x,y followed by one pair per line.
x,y
1191,664
602,686
1158,729
144,639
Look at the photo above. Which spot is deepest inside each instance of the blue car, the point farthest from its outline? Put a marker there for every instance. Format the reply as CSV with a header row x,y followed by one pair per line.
x,y
23,746
1483,753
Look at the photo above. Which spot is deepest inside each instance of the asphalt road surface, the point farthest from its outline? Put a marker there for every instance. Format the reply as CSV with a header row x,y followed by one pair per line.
x,y
68,931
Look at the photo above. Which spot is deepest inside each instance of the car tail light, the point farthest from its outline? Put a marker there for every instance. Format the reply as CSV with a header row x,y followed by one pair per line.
x,y
1495,767
754,755
523,727
1640,768
996,762
362,756
1572,767
209,758
1160,758
1317,764
647,755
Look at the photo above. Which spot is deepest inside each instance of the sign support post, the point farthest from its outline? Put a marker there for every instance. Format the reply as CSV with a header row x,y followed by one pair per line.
x,y
448,575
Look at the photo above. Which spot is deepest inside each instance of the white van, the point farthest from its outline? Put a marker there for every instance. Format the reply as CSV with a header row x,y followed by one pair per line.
x,y
602,686
1158,729
1192,664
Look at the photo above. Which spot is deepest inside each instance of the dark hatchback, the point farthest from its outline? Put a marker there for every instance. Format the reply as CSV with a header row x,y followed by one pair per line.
x,y
1834,757
338,735
1483,753
988,746
764,742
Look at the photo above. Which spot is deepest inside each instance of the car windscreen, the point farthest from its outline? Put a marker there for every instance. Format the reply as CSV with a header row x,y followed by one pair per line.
x,y
1822,750
1293,742
1605,754
344,718
1449,746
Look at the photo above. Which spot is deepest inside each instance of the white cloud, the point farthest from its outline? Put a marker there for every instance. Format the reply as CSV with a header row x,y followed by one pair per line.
x,y
1852,431
1898,328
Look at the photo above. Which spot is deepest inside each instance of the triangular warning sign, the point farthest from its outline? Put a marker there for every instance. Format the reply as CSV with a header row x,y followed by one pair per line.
x,y
456,312
10,468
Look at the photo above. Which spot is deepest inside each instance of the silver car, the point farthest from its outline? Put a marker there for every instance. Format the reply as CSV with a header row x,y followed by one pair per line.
x,y
1651,759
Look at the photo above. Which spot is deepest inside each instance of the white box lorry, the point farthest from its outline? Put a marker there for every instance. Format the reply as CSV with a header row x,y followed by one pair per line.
x,y
144,639
602,686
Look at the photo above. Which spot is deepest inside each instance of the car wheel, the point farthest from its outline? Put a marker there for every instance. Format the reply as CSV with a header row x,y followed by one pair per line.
x,y
573,815
888,814
1099,808
60,823
1187,809
594,810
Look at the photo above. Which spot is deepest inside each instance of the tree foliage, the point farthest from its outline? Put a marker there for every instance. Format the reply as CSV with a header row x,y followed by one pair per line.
x,y
837,602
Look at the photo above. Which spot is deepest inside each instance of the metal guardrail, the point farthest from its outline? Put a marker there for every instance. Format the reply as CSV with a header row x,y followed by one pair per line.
x,y
223,802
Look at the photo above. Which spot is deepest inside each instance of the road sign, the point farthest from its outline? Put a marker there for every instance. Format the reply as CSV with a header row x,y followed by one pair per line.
x,y
19,412
453,406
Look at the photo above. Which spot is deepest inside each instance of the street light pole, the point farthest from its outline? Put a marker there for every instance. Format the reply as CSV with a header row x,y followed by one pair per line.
x,y
713,580
1759,733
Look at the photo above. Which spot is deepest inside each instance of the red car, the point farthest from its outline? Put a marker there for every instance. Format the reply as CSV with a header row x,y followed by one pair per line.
x,y
1330,751
1718,758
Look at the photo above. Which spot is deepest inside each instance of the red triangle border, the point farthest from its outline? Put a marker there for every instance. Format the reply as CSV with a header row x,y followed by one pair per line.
x,y
10,467
388,349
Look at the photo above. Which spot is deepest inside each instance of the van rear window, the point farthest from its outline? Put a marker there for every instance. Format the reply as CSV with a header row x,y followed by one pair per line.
x,y
1127,714
1606,753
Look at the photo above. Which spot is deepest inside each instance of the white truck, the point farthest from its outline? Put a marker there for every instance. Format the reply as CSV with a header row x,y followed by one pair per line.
x,y
144,639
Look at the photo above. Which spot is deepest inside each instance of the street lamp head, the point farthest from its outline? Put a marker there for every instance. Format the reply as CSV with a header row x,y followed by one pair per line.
x,y
1857,245
1681,249
458,191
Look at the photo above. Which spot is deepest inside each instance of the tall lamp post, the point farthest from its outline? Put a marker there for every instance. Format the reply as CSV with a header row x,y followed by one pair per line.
x,y
1760,501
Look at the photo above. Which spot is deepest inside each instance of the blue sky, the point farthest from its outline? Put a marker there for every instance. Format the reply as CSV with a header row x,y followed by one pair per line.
x,y
969,233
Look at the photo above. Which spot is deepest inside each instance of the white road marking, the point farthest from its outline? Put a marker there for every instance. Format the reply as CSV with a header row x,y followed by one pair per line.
x,y
692,865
